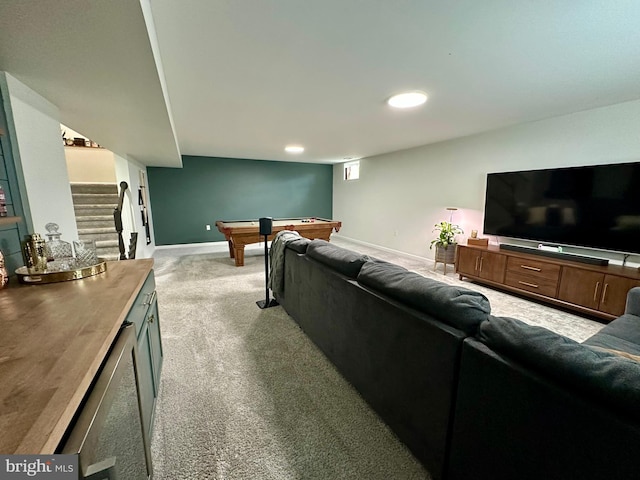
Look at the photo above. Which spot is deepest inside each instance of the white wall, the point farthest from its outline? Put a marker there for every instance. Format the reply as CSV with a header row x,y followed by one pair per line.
x,y
90,165
401,195
41,164
34,130
128,171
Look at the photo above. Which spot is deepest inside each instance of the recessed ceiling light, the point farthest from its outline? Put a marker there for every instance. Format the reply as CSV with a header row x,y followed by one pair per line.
x,y
407,99
294,149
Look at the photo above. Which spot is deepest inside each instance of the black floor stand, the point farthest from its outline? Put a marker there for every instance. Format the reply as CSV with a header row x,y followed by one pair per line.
x,y
266,303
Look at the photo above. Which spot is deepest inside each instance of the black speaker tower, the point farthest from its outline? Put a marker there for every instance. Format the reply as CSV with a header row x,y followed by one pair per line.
x,y
266,227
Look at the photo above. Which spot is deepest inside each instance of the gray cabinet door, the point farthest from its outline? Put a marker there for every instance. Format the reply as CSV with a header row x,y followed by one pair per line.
x,y
145,380
144,315
155,341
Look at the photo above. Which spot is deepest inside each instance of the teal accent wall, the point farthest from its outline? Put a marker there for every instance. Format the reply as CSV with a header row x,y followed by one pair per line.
x,y
11,234
208,189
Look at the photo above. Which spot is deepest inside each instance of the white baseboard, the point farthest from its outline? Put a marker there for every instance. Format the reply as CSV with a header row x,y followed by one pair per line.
x,y
203,247
380,247
223,246
191,245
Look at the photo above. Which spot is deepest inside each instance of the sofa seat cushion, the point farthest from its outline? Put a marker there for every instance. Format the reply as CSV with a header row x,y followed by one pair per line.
x,y
626,327
611,342
603,375
345,261
459,307
620,353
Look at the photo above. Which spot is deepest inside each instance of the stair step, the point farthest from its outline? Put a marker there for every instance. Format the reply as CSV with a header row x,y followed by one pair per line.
x,y
108,251
109,188
107,244
87,224
98,236
95,218
95,199
94,204
99,230
93,210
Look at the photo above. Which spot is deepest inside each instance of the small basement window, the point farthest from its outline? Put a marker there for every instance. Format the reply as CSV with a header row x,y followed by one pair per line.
x,y
352,170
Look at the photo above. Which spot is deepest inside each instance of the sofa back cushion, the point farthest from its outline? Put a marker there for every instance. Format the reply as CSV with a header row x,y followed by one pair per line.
x,y
457,306
345,261
300,245
604,375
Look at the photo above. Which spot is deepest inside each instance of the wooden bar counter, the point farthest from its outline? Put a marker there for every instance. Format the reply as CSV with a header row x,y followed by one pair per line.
x,y
53,339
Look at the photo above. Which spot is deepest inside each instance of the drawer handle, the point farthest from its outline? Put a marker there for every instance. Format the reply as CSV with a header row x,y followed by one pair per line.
x,y
151,298
481,259
604,293
531,268
477,263
528,284
595,292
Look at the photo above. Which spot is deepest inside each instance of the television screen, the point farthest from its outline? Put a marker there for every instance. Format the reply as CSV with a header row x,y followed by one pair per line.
x,y
594,206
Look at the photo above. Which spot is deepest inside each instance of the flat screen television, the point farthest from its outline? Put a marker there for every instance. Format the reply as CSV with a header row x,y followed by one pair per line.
x,y
594,206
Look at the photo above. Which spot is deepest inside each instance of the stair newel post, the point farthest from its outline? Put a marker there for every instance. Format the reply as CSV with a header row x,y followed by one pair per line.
x,y
117,217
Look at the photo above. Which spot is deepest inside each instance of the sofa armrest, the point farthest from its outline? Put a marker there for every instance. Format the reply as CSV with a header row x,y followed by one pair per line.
x,y
511,422
633,302
603,376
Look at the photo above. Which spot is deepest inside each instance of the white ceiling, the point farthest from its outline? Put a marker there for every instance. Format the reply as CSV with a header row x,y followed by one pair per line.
x,y
246,77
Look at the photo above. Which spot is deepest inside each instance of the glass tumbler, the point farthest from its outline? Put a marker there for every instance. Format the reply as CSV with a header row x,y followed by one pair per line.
x,y
85,253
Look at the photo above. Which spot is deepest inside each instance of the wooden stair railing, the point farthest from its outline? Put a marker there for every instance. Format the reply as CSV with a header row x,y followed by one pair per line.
x,y
117,217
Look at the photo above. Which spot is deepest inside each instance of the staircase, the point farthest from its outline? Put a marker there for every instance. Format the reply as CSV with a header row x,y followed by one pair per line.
x,y
94,204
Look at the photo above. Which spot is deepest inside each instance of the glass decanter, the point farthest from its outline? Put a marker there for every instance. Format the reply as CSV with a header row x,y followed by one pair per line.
x,y
59,252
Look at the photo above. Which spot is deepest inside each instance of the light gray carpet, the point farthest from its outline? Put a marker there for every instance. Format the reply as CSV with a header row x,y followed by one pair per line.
x,y
502,304
244,393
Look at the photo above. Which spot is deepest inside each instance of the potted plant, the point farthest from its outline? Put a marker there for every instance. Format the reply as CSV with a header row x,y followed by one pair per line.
x,y
446,241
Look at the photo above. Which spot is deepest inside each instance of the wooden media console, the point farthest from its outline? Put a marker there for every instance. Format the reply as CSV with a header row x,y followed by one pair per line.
x,y
595,290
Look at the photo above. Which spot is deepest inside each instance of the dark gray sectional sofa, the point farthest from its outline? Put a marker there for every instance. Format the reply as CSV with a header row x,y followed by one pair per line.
x,y
532,404
471,395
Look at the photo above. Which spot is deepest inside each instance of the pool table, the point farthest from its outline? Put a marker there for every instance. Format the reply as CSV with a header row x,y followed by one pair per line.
x,y
241,233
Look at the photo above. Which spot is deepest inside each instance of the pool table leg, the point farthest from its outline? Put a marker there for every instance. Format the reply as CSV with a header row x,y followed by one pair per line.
x,y
238,254
230,248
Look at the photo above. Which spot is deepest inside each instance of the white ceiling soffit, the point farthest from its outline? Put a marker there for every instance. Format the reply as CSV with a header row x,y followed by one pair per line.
x,y
248,77
94,61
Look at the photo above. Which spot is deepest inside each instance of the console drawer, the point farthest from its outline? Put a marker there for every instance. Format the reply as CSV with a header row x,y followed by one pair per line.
x,y
533,276
533,268
532,284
